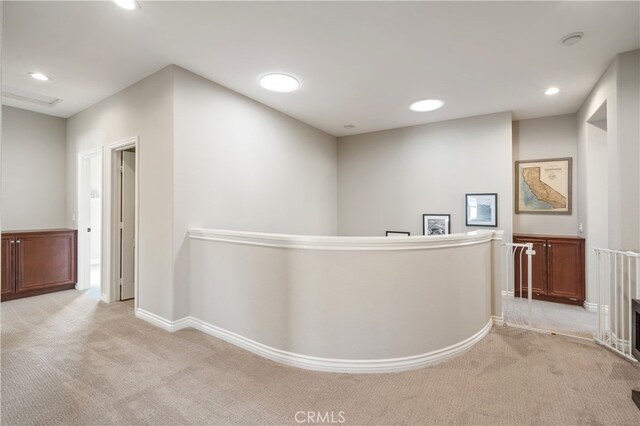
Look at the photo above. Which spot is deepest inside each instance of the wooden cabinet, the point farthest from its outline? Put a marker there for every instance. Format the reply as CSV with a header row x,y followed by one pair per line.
x,y
557,268
37,262
8,280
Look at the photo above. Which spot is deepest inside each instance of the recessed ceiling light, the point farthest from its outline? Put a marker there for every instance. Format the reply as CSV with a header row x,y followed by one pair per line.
x,y
426,105
39,76
281,83
349,126
551,91
571,39
126,4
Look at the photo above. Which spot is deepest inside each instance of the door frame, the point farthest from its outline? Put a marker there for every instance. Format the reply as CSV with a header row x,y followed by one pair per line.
x,y
84,242
111,230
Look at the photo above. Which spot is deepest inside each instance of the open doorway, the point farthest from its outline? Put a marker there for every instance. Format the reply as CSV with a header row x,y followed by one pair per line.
x,y
127,223
562,260
90,220
582,320
121,222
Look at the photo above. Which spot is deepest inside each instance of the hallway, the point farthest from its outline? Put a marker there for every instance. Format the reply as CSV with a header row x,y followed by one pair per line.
x,y
68,359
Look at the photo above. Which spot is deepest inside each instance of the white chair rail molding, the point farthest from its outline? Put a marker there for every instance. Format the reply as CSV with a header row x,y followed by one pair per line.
x,y
342,304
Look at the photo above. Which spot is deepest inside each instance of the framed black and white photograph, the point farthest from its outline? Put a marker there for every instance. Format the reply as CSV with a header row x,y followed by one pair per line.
x,y
398,234
481,209
436,224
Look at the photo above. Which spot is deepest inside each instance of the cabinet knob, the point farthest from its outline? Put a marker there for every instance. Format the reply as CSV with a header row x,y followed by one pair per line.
x,y
18,241
11,241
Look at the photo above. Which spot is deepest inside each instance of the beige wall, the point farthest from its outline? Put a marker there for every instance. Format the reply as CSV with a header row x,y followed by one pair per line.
x,y
241,165
549,137
34,164
213,158
144,109
387,180
619,226
209,157
344,298
628,83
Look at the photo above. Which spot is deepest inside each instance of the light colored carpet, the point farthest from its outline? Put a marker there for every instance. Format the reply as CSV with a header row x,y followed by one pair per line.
x,y
568,319
67,359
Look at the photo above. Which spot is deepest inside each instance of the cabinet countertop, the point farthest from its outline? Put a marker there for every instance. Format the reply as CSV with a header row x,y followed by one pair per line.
x,y
37,231
568,237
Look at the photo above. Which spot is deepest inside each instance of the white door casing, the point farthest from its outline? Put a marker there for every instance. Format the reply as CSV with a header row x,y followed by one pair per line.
x,y
111,219
127,219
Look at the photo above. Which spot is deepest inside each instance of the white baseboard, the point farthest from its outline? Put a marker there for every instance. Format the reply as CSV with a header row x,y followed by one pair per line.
x,y
182,323
497,320
333,365
156,320
593,307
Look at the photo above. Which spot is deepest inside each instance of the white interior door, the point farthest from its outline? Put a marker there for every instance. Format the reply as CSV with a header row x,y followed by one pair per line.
x,y
127,220
89,218
94,227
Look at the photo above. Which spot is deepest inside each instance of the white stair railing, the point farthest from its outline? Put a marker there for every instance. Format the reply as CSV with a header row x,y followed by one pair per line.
x,y
617,284
517,311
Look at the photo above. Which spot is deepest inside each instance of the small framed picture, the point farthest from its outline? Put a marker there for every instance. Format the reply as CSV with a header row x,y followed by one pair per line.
x,y
398,234
436,224
481,209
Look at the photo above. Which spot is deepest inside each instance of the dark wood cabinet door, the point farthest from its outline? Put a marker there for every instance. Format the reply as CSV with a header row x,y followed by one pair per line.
x,y
45,260
566,268
538,267
7,265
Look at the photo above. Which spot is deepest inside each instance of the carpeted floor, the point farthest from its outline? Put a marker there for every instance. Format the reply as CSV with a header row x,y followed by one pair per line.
x,y
67,359
558,317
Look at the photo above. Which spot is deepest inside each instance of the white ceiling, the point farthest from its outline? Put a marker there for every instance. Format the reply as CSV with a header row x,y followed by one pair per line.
x,y
359,63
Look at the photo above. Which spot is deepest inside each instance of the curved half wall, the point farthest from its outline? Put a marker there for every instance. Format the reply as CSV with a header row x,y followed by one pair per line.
x,y
342,304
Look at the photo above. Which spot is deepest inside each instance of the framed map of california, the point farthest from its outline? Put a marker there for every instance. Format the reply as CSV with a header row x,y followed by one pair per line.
x,y
543,186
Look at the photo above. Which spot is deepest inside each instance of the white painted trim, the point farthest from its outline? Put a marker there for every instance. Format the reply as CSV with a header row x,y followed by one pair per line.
x,y
590,307
497,320
110,251
154,319
182,323
593,307
307,362
343,243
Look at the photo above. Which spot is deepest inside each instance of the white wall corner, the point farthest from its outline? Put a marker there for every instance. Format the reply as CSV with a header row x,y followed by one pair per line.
x,y
590,307
161,322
